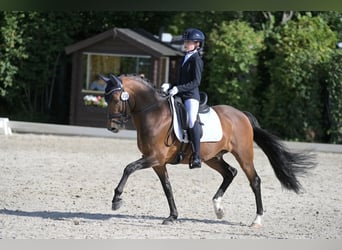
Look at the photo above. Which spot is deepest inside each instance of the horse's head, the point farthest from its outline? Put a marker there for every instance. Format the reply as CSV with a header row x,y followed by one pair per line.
x,y
117,100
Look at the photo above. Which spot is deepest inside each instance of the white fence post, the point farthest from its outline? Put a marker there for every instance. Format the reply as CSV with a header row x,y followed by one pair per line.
x,y
4,126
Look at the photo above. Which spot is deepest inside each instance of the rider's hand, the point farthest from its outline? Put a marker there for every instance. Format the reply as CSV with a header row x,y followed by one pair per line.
x,y
165,87
173,91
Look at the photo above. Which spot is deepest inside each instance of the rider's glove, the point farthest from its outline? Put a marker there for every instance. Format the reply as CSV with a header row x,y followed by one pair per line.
x,y
165,87
173,91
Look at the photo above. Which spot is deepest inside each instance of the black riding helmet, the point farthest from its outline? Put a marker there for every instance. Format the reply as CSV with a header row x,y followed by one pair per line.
x,y
195,35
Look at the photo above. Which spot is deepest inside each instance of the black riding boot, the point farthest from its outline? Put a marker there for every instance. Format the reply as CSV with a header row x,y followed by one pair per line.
x,y
195,136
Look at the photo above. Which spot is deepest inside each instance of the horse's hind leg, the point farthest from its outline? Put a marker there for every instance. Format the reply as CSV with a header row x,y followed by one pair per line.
x,y
246,162
228,173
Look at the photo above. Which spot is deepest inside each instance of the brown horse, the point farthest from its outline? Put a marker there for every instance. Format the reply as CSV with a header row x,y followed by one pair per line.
x,y
135,98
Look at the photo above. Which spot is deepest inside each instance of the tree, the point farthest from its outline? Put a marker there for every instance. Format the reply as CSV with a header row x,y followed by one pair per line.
x,y
12,50
231,62
331,79
32,58
293,106
334,20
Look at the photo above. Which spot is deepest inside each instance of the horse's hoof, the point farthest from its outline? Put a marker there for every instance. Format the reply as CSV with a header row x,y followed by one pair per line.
x,y
168,221
255,225
116,204
219,211
257,222
219,214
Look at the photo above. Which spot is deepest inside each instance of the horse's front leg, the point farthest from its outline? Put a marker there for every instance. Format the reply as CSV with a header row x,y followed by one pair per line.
x,y
161,171
129,169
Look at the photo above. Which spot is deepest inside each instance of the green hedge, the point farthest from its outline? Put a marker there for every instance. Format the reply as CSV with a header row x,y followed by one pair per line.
x,y
294,105
231,61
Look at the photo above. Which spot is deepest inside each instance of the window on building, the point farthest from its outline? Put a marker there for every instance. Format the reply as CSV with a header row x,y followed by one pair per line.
x,y
94,64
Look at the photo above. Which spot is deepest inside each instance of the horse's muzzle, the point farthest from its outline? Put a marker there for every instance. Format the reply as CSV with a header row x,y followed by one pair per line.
x,y
116,121
113,126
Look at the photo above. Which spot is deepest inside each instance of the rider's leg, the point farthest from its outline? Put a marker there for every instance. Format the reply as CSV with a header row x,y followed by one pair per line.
x,y
192,106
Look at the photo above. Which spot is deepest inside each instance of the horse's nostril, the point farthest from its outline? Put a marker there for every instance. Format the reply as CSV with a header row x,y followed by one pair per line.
x,y
113,129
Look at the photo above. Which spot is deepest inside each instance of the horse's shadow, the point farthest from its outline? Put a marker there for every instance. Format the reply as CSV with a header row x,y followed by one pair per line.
x,y
57,215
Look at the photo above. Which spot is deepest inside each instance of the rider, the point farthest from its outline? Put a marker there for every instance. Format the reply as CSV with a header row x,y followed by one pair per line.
x,y
187,88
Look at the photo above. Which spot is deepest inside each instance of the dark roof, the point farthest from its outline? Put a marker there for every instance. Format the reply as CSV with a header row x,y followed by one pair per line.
x,y
139,38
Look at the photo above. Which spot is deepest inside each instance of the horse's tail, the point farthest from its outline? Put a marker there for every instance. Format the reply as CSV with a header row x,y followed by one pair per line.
x,y
287,165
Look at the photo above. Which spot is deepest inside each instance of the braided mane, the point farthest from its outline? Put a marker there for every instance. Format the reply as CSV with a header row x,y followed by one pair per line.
x,y
141,79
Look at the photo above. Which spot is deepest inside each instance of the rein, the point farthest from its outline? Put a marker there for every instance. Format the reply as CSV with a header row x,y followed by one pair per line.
x,y
169,132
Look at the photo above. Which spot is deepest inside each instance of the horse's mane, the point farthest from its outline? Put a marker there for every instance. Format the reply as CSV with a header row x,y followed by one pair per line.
x,y
141,79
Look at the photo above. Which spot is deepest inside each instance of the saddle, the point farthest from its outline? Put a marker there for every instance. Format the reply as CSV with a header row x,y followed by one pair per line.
x,y
182,114
210,129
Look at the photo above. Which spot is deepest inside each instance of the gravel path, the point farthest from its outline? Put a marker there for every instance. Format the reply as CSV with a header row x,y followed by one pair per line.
x,y
60,187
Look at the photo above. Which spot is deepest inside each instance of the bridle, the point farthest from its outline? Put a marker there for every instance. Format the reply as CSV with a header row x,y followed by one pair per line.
x,y
122,117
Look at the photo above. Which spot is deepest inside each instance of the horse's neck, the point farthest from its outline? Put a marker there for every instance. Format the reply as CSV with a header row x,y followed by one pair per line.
x,y
144,100
152,113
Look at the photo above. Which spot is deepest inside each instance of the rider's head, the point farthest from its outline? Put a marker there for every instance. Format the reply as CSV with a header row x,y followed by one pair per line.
x,y
195,36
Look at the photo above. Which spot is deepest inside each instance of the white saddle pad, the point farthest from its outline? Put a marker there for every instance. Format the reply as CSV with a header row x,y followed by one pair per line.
x,y
212,129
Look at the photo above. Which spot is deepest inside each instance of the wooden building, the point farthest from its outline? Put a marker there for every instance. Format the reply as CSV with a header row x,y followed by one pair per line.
x,y
117,51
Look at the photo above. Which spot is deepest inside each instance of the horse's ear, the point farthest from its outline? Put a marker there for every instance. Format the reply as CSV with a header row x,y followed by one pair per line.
x,y
116,80
106,79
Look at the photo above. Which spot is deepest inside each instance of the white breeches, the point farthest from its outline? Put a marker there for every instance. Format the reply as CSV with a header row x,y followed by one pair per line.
x,y
192,106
